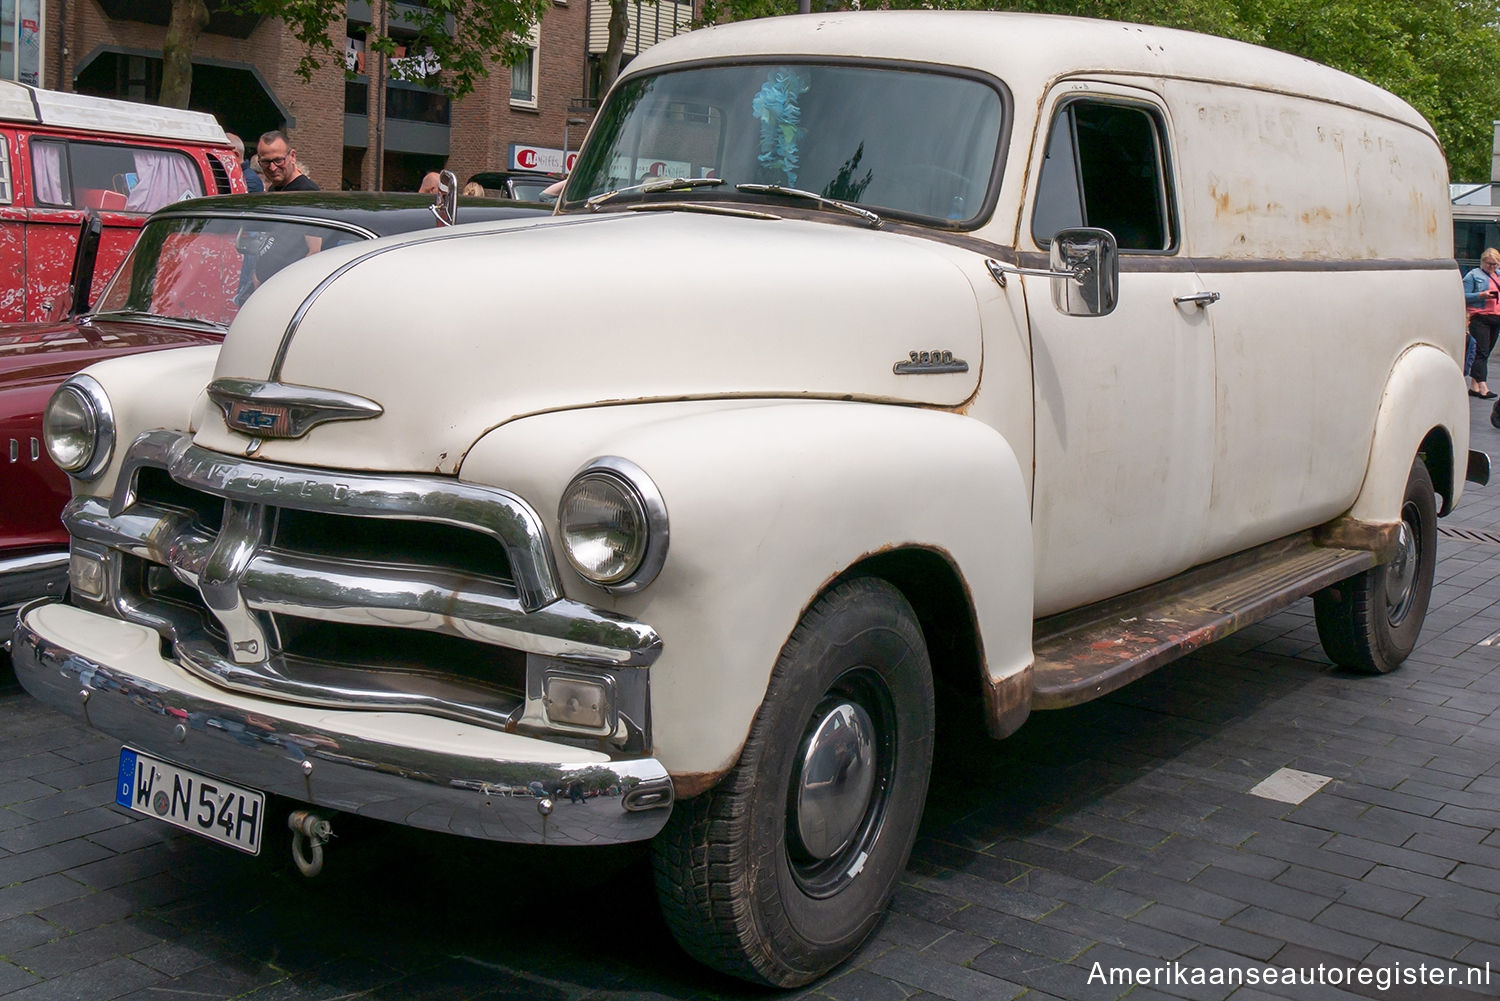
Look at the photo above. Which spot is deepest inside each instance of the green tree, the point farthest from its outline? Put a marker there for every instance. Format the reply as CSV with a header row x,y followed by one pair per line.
x,y
463,37
1441,56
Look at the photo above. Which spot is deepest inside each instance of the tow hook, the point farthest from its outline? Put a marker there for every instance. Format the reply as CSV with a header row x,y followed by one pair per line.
x,y
310,832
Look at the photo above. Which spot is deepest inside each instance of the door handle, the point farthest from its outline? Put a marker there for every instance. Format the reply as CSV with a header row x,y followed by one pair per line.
x,y
1199,299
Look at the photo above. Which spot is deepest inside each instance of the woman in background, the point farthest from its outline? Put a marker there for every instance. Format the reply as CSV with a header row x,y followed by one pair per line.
x,y
1482,298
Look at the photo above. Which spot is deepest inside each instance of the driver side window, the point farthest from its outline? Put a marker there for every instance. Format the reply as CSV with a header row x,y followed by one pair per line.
x,y
1105,167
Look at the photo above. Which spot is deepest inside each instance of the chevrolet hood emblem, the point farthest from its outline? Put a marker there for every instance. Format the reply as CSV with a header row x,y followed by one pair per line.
x,y
277,410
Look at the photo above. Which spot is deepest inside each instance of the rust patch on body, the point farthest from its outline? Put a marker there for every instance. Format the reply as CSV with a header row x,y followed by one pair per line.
x,y
1346,533
1007,703
689,784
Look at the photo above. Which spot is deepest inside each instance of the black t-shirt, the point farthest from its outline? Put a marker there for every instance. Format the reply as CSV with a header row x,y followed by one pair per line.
x,y
300,183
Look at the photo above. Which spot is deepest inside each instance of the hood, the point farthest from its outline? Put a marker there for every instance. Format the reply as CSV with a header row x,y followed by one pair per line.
x,y
456,333
35,353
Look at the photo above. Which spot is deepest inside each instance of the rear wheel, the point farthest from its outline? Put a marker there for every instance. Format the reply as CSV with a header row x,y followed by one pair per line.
x,y
1370,622
782,870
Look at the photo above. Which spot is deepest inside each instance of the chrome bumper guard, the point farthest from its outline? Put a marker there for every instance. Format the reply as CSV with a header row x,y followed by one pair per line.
x,y
410,769
23,578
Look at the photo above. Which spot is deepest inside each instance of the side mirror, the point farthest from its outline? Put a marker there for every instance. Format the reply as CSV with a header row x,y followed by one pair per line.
x,y
1085,264
445,202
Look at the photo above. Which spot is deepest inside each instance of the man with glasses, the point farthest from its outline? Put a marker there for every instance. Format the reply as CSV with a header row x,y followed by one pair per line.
x,y
278,161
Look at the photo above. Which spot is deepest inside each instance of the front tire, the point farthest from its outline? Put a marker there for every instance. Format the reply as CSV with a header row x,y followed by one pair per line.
x,y
1370,622
782,870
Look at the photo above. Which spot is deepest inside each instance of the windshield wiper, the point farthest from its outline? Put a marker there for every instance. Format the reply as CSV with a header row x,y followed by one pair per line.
x,y
144,315
657,184
812,196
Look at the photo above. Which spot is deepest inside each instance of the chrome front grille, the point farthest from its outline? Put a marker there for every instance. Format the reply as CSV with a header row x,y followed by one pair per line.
x,y
343,589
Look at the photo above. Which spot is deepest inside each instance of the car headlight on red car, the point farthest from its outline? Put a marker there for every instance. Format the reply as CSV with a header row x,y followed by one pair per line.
x,y
614,524
79,427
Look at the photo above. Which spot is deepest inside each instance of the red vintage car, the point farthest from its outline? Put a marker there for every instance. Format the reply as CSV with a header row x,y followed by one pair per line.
x,y
62,155
195,263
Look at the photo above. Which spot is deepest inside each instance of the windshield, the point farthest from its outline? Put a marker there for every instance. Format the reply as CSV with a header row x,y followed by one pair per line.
x,y
204,268
897,140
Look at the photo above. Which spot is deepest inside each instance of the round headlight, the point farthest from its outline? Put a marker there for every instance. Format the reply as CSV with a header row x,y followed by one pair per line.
x,y
78,426
614,525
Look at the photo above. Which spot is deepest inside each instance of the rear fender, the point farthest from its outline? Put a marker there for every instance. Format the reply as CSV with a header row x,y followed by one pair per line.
x,y
1424,393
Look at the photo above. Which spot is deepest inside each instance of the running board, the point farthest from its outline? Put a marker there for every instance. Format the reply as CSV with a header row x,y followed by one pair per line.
x,y
1091,651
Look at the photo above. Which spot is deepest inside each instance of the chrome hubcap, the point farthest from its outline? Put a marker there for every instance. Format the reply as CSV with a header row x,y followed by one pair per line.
x,y
836,777
1401,575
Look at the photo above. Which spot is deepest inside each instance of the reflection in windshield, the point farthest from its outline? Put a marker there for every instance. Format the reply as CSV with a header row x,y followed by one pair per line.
x,y
203,269
902,141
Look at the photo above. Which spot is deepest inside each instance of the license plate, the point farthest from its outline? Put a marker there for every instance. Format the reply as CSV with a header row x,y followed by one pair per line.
x,y
211,807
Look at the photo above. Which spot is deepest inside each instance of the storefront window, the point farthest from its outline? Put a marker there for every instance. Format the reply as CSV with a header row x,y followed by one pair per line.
x,y
21,41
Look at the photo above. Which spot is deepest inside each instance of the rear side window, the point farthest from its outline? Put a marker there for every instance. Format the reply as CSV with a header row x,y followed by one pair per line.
x,y
105,176
1105,168
5,188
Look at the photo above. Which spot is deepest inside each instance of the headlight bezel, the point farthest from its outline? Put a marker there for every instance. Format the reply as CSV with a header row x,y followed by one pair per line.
x,y
644,496
94,403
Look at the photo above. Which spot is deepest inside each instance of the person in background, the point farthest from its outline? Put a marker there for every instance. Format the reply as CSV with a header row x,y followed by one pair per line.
x,y
429,183
473,190
253,183
279,163
1482,299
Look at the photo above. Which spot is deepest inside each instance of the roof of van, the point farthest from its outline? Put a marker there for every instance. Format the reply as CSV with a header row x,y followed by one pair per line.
x,y
1028,51
22,103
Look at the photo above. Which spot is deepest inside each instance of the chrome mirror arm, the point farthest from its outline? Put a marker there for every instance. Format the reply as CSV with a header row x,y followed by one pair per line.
x,y
999,269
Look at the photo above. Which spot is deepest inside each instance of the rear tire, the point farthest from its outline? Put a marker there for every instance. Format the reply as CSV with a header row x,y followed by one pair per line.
x,y
1370,622
782,870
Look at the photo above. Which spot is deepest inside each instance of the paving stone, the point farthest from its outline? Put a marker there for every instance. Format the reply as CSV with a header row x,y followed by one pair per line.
x,y
1392,931
21,866
1208,931
1322,857
1384,854
1030,936
1095,896
1130,935
35,894
20,933
65,828
1272,896
85,949
13,978
100,982
1177,894
943,980
862,985
1289,929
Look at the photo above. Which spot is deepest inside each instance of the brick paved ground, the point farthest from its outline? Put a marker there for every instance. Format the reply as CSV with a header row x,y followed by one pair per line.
x,y
1122,833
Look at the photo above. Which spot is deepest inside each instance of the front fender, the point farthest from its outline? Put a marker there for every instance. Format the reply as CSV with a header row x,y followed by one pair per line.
x,y
1425,391
156,389
768,502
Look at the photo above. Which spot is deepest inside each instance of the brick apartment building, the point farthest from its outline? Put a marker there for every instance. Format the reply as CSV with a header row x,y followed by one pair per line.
x,y
244,73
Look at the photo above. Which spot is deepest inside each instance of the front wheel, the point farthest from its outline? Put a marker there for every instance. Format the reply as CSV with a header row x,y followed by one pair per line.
x,y
1370,622
782,870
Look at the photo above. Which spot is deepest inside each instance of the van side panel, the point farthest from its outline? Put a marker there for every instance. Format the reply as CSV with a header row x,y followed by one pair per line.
x,y
1279,177
1327,233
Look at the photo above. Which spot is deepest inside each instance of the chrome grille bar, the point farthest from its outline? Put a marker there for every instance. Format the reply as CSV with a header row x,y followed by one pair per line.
x,y
310,587
497,513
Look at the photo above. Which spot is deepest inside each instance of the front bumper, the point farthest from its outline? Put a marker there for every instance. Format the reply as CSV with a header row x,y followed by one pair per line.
x,y
407,768
23,578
